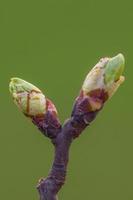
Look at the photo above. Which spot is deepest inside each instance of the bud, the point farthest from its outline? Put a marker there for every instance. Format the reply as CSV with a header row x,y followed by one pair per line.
x,y
35,105
103,80
28,97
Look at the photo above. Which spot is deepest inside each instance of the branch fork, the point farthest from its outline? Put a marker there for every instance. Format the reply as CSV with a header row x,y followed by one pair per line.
x,y
99,86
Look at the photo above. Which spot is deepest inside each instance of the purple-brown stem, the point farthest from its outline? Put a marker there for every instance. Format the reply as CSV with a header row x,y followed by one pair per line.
x,y
100,84
80,118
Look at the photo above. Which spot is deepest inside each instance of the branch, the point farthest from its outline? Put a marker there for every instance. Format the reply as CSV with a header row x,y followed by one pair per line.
x,y
100,84
80,119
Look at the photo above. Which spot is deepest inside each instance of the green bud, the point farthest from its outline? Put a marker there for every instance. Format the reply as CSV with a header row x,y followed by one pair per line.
x,y
114,68
106,75
27,97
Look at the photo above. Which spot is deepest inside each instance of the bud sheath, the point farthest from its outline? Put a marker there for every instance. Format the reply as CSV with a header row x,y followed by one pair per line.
x,y
27,97
33,103
103,80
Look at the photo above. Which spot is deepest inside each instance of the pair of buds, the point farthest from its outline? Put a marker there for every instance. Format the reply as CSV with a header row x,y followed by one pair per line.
x,y
100,84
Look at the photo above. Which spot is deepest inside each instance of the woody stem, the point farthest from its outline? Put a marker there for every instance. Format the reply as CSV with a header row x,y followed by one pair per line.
x,y
49,187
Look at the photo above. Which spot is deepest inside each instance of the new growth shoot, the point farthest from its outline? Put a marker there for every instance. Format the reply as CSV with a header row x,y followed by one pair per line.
x,y
100,84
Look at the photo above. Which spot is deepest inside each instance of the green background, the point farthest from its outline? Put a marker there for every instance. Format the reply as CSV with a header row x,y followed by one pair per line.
x,y
53,44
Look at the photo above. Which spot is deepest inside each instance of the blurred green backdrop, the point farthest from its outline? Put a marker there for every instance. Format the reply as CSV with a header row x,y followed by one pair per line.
x,y
53,44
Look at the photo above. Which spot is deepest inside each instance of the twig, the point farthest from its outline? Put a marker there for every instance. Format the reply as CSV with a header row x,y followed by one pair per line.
x,y
81,117
99,85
